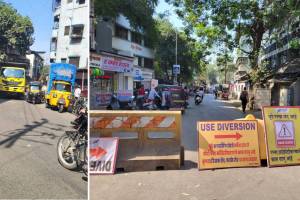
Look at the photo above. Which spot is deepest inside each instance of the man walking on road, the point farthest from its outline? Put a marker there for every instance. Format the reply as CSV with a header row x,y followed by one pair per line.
x,y
244,99
77,92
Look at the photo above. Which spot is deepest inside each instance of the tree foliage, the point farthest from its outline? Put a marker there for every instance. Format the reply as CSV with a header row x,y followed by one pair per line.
x,y
190,53
240,23
15,31
138,12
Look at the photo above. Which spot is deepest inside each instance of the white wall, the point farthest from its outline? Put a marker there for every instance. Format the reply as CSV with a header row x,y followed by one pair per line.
x,y
72,14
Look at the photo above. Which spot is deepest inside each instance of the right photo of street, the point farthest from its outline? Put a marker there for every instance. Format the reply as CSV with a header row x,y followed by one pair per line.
x,y
194,100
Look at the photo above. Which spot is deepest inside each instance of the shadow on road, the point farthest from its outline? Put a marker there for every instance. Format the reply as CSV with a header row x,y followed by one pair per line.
x,y
18,133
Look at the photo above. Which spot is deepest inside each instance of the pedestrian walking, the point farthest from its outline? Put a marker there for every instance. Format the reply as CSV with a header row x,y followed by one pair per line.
x,y
244,99
77,92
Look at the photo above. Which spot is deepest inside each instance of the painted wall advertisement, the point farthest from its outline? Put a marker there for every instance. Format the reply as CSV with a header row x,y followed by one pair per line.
x,y
224,144
282,125
102,98
103,155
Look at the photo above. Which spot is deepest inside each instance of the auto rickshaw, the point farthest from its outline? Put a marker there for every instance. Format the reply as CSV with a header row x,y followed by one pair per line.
x,y
60,95
178,99
34,93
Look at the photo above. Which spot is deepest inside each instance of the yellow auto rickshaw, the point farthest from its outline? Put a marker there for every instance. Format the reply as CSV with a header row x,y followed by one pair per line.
x,y
60,95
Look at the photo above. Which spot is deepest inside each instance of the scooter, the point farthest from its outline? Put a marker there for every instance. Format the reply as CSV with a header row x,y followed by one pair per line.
x,y
198,99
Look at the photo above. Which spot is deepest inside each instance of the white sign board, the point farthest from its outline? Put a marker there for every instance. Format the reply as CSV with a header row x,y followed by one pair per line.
x,y
176,69
103,155
116,64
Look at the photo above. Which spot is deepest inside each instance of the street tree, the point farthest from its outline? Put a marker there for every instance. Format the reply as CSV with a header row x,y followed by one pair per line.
x,y
190,53
224,62
241,23
16,31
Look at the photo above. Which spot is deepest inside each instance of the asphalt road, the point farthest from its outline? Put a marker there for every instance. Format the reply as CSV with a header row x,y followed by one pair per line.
x,y
28,161
191,184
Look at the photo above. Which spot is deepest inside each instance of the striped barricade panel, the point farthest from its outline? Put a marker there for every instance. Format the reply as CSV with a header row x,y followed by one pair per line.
x,y
146,151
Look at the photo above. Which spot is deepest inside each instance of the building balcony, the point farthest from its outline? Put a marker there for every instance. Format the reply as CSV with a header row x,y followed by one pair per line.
x,y
54,33
52,54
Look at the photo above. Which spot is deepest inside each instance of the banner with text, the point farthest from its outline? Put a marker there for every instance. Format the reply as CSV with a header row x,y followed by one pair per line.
x,y
116,64
224,144
103,155
281,126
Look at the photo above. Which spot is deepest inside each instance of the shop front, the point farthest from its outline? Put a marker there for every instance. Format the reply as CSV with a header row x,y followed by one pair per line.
x,y
110,74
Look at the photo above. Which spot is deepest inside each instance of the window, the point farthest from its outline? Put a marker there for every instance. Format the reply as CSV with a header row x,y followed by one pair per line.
x,y
140,61
77,31
121,32
74,60
56,22
147,42
148,63
69,1
56,4
53,45
67,30
81,1
136,38
63,60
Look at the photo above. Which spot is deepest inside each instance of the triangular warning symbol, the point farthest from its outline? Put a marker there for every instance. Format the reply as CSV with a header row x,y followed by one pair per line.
x,y
284,131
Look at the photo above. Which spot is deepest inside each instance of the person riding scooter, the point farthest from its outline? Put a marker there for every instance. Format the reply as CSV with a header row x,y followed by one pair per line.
x,y
199,95
153,95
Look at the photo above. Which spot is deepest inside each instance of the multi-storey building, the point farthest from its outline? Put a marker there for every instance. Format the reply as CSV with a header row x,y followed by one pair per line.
x,y
70,35
241,75
36,63
123,55
283,60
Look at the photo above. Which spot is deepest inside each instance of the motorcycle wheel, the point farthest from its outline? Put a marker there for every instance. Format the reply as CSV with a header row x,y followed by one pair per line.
x,y
197,102
60,108
65,153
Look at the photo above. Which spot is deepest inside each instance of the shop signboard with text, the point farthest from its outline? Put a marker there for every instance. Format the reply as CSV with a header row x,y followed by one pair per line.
x,y
224,144
282,125
116,64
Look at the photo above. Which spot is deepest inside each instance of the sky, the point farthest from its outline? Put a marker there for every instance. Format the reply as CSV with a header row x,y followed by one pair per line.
x,y
40,13
173,18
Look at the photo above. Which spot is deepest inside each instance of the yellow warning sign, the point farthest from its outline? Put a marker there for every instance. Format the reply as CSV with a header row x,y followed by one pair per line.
x,y
281,125
224,144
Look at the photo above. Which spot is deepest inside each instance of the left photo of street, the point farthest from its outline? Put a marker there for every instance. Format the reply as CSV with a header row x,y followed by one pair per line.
x,y
44,51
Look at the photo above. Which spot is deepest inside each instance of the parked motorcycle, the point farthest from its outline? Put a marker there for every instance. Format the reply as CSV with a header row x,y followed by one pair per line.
x,y
72,145
116,104
78,105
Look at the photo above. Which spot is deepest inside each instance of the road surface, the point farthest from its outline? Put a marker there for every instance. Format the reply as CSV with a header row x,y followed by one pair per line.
x,y
191,184
28,161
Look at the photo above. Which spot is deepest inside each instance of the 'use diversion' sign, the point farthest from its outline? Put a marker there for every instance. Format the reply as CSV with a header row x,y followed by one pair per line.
x,y
282,125
224,144
103,154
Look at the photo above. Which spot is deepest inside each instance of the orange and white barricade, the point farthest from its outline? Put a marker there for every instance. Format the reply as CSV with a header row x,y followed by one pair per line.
x,y
149,140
